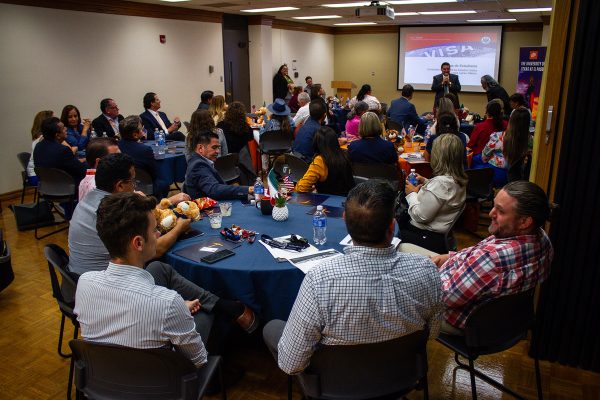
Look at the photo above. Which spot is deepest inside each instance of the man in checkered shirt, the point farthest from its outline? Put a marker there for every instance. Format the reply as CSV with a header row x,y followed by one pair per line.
x,y
514,259
370,294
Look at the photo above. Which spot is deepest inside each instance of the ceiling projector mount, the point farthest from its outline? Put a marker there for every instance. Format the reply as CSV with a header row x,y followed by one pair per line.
x,y
375,12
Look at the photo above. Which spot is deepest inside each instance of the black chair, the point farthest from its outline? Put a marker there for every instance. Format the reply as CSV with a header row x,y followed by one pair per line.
x,y
274,144
24,160
360,179
55,186
298,166
365,371
479,186
58,260
387,172
143,182
492,327
227,167
107,371
389,124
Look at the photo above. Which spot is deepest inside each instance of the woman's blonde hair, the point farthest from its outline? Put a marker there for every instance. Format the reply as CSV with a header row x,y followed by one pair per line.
x,y
369,126
447,158
217,108
36,128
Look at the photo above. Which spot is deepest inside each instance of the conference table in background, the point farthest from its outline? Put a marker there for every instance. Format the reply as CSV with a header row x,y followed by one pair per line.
x,y
170,167
252,275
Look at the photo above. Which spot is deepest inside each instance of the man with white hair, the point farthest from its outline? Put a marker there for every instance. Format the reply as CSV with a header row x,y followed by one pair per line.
x,y
303,112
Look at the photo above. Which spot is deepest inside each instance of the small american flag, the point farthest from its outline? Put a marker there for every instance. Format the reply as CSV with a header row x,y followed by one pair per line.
x,y
287,184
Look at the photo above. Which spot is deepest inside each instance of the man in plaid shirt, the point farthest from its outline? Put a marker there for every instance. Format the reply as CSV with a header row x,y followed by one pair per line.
x,y
370,294
515,258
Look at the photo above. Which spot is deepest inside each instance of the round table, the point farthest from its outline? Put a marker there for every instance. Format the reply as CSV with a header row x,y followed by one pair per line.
x,y
252,275
171,166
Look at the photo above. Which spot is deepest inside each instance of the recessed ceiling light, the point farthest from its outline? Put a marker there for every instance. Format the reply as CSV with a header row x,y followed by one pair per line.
x,y
319,17
342,5
355,23
447,12
493,20
401,14
404,2
517,10
271,9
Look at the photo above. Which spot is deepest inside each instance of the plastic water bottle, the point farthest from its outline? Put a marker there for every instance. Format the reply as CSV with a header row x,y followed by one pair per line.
x,y
412,177
319,226
93,134
427,134
161,143
103,134
259,190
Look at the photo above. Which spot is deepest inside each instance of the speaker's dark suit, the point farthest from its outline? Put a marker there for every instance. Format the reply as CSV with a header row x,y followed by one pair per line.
x,y
438,88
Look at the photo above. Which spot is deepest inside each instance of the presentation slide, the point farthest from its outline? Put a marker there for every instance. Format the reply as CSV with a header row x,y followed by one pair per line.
x,y
472,51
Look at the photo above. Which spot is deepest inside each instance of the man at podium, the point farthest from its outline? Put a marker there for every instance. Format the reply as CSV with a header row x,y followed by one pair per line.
x,y
445,83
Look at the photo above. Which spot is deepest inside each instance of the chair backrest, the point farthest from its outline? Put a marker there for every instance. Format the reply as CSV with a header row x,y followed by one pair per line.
x,y
297,166
58,260
366,370
227,168
480,182
360,179
388,172
449,236
499,323
106,371
275,141
144,181
24,159
389,124
55,182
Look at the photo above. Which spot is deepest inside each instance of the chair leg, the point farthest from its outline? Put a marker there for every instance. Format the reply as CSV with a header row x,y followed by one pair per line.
x,y
60,337
538,379
425,385
23,194
70,382
290,387
222,380
472,373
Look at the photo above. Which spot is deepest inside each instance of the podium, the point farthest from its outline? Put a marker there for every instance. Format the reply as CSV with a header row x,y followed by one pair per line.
x,y
344,88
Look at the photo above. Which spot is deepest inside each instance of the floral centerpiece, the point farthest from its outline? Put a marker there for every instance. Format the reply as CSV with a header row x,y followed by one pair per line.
x,y
280,209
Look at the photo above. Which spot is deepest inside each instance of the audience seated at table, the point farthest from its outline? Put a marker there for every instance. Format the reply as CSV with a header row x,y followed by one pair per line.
x,y
353,121
78,134
280,119
444,105
51,153
435,204
446,123
294,104
303,145
107,122
403,112
96,149
200,123
236,129
201,177
507,151
513,259
365,94
134,305
330,170
370,294
493,122
217,108
461,113
303,113
371,148
36,136
154,120
205,99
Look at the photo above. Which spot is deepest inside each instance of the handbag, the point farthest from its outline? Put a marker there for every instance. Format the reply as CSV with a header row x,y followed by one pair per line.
x,y
401,209
25,215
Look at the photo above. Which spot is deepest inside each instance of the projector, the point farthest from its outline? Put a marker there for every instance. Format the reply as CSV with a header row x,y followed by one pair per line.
x,y
375,12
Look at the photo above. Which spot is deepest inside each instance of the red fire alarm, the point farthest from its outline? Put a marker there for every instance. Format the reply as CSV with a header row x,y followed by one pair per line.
x,y
163,39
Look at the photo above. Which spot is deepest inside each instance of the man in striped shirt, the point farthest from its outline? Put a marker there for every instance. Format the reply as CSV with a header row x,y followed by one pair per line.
x,y
122,305
515,258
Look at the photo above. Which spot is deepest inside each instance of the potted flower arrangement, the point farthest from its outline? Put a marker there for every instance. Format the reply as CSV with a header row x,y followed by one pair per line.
x,y
280,209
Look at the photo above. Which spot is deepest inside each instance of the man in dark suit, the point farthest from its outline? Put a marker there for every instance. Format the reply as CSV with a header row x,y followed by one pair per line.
x,y
152,119
403,112
445,83
205,99
201,177
108,121
51,153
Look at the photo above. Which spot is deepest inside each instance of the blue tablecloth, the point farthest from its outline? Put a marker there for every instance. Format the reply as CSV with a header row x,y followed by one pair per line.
x,y
170,167
252,275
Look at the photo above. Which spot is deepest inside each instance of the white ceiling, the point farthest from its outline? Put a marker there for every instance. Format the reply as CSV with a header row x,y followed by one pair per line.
x,y
486,9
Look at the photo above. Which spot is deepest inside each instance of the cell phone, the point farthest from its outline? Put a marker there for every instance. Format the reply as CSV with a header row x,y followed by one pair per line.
x,y
217,256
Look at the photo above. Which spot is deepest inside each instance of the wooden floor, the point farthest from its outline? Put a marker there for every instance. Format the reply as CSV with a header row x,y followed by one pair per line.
x,y
30,367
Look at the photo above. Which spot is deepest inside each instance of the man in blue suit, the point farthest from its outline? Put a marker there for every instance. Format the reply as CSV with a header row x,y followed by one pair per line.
x,y
152,119
403,112
201,177
445,83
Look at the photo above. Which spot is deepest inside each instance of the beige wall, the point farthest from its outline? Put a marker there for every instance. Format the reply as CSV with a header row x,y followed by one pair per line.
x,y
313,53
51,58
373,59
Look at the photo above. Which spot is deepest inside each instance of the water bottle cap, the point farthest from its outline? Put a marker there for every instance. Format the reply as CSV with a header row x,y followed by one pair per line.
x,y
319,208
412,170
